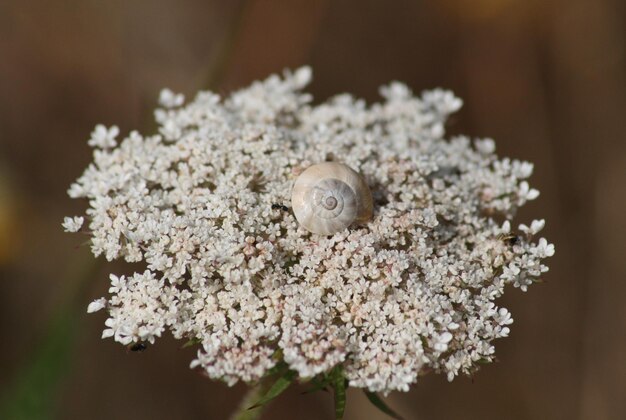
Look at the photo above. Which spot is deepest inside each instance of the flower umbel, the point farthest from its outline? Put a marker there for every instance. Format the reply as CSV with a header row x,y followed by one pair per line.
x,y
204,204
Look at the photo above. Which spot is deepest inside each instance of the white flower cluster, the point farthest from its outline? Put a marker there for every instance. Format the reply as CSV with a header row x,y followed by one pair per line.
x,y
205,204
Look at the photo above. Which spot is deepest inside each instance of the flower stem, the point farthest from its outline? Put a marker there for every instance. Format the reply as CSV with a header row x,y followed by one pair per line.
x,y
253,395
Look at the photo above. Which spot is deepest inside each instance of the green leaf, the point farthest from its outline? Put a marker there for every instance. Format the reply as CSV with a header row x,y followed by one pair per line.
x,y
191,342
380,404
318,384
33,393
276,389
279,368
339,383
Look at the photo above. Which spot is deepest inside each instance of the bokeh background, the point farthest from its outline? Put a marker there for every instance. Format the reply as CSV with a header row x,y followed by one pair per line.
x,y
546,79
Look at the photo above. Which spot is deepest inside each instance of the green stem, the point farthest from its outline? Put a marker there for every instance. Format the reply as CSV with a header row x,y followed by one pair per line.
x,y
253,395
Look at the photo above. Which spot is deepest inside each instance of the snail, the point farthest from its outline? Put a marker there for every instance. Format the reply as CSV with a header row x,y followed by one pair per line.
x,y
329,197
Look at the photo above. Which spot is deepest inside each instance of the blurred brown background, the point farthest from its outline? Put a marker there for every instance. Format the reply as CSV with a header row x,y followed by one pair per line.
x,y
546,79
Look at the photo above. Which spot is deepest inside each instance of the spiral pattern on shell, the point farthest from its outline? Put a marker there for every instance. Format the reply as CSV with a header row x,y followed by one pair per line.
x,y
329,197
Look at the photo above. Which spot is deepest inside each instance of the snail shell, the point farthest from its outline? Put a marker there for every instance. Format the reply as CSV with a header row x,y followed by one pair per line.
x,y
329,197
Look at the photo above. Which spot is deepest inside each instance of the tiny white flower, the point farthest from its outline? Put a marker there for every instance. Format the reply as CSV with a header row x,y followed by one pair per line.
x,y
303,76
104,138
73,224
532,194
395,91
544,249
504,317
169,99
170,130
97,305
485,146
506,227
536,226
526,192
523,170
511,271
